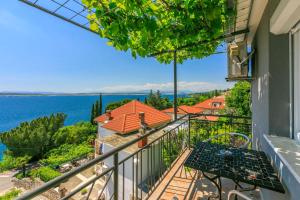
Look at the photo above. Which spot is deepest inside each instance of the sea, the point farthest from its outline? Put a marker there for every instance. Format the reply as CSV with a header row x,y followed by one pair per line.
x,y
17,109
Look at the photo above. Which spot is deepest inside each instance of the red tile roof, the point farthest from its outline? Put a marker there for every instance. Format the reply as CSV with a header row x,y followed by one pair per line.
x,y
210,103
184,110
209,118
125,119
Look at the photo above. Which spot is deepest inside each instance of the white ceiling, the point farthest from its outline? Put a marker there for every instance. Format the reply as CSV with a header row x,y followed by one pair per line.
x,y
242,18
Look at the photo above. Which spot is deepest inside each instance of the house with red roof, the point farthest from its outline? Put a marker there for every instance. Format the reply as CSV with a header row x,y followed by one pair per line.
x,y
208,118
209,106
126,119
183,110
212,105
122,125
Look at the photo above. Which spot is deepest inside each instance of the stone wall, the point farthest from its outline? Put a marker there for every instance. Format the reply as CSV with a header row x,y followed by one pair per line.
x,y
29,184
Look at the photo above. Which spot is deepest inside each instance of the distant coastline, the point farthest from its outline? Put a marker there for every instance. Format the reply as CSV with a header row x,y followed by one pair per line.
x,y
78,94
67,94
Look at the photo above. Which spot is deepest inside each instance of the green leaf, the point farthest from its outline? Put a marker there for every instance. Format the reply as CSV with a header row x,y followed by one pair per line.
x,y
112,5
110,43
147,27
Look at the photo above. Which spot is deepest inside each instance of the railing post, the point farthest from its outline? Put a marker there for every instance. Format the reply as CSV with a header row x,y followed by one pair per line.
x,y
189,131
231,122
231,138
116,176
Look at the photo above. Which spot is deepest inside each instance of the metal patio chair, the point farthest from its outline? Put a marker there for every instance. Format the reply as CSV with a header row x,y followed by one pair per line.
x,y
236,193
238,140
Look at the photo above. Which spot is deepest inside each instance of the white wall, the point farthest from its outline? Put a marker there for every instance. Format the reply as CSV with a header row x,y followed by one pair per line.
x,y
271,99
103,132
172,115
141,162
260,84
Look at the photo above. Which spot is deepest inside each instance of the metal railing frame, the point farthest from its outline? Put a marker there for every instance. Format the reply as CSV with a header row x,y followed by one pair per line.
x,y
115,154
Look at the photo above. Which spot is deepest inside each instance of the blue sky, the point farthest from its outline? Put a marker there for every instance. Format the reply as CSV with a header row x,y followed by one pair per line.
x,y
39,52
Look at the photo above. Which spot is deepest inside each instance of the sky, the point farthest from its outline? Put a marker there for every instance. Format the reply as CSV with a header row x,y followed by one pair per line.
x,y
41,53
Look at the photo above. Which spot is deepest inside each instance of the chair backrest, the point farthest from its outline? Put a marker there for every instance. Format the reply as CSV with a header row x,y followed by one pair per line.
x,y
234,139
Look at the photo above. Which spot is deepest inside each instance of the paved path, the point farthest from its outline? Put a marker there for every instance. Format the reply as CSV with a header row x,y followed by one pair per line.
x,y
5,181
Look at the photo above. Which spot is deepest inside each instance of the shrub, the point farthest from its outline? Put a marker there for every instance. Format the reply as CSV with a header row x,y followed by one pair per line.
x,y
66,153
10,162
20,175
44,173
33,138
12,194
75,134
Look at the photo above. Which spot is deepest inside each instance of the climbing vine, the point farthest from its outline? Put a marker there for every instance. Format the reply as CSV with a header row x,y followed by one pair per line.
x,y
146,27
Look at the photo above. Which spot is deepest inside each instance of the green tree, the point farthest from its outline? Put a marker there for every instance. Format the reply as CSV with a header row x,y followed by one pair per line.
x,y
189,101
238,99
75,134
114,105
96,111
151,100
157,101
33,138
92,114
166,103
154,100
100,105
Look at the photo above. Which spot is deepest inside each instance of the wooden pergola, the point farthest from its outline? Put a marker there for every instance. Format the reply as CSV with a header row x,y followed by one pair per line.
x,y
74,12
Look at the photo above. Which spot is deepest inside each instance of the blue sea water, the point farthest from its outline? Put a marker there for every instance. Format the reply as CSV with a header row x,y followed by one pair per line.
x,y
17,109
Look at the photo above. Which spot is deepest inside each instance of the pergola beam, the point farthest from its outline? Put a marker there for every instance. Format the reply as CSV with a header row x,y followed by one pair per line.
x,y
194,44
33,4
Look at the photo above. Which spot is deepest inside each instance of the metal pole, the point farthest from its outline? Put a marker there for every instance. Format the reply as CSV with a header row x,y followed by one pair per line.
x,y
189,133
116,176
175,85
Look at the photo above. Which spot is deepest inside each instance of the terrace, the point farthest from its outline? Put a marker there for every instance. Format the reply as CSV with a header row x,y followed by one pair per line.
x,y
270,28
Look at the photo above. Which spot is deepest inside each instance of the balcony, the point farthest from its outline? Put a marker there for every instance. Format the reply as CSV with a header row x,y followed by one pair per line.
x,y
156,170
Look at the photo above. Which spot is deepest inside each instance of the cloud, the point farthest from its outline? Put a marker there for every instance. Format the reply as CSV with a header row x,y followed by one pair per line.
x,y
183,86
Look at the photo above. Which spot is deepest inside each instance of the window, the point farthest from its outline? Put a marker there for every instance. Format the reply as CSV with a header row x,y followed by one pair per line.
x,y
216,104
296,65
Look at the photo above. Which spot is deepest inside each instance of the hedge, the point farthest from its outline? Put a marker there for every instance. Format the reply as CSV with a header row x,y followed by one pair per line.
x,y
44,173
66,153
